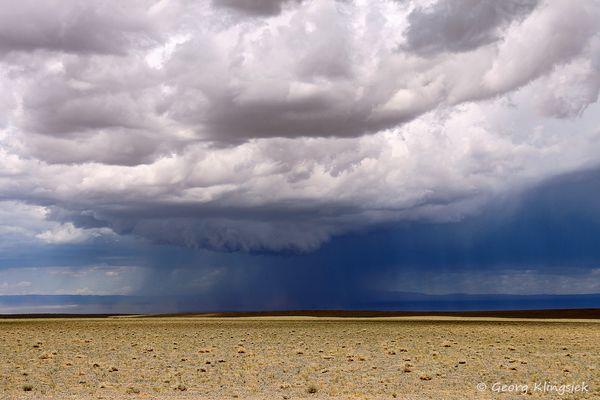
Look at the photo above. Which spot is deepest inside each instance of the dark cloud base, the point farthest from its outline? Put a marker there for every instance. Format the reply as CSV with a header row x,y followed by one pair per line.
x,y
552,231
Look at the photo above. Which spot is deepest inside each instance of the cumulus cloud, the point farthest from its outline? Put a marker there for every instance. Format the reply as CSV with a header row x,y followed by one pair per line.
x,y
532,48
25,224
254,7
69,233
19,223
567,92
56,280
75,27
275,125
463,25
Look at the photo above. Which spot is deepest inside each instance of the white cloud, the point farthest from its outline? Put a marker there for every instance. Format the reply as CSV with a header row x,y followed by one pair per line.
x,y
82,279
68,233
533,48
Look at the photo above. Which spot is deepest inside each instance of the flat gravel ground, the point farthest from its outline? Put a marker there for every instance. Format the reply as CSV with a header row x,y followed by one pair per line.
x,y
291,358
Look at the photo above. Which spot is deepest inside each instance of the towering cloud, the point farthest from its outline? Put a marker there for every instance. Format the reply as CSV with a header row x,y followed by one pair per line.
x,y
275,125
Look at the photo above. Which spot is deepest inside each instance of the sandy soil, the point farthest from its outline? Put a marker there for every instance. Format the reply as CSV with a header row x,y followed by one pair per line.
x,y
288,358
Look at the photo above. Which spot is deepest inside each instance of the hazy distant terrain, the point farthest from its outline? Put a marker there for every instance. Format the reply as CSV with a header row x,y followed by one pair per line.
x,y
293,357
381,301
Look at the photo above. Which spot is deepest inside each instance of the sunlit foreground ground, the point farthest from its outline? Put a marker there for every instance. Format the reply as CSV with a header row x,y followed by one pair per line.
x,y
291,358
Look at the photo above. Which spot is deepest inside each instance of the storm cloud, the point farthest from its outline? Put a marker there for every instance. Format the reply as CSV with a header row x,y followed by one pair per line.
x,y
275,126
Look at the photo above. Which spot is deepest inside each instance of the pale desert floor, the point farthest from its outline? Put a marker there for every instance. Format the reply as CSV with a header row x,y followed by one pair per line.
x,y
291,358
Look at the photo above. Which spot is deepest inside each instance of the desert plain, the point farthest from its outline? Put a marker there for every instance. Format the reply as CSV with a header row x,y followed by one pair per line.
x,y
298,358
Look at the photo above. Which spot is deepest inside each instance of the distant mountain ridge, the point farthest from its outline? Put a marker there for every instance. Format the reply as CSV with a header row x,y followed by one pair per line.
x,y
380,301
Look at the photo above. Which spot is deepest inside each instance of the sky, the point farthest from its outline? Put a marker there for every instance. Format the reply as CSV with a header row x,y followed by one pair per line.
x,y
287,153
